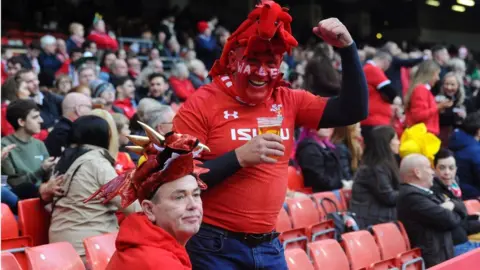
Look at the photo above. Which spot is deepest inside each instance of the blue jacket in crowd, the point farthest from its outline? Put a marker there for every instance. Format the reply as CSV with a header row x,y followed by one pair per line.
x,y
467,155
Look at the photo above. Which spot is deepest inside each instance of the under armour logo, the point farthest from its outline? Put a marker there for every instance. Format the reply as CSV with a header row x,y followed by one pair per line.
x,y
226,115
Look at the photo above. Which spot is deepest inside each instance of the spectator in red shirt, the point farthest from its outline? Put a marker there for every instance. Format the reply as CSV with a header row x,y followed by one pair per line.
x,y
99,35
181,85
420,104
381,94
248,171
125,96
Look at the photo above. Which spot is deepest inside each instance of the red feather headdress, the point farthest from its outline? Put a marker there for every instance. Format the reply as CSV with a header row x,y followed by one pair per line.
x,y
166,159
267,29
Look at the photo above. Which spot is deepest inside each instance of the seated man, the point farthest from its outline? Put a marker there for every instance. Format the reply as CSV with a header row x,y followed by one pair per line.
x,y
445,184
168,188
428,219
27,166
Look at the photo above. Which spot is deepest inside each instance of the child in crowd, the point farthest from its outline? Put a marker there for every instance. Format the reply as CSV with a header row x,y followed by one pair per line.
x,y
124,161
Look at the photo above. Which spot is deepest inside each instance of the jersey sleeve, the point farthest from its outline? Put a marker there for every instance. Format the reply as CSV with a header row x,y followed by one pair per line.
x,y
309,108
376,77
192,118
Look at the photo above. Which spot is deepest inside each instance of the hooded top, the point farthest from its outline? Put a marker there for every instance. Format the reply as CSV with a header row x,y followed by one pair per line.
x,y
467,155
142,245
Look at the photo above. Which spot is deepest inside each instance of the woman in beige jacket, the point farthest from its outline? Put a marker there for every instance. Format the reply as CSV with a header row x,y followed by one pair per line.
x,y
88,165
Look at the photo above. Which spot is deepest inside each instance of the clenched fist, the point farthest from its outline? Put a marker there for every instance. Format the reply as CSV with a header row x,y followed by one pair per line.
x,y
333,32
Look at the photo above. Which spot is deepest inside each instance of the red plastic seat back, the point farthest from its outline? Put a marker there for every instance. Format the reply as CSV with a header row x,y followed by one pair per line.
x,y
389,240
303,212
9,223
295,238
360,248
329,206
346,196
295,179
297,259
328,254
56,256
473,206
17,247
404,234
283,221
323,230
9,262
383,265
99,249
34,220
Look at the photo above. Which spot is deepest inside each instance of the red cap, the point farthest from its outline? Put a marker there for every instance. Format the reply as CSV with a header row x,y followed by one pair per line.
x,y
202,26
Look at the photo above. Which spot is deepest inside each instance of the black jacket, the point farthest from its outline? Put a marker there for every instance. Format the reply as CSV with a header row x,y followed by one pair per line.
x,y
51,109
470,224
59,137
428,225
374,195
320,166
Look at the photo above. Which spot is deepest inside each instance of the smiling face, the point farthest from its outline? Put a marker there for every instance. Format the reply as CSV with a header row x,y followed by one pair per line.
x,y
450,86
254,77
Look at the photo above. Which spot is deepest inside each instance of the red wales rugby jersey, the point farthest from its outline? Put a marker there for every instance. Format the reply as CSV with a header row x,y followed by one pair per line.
x,y
250,200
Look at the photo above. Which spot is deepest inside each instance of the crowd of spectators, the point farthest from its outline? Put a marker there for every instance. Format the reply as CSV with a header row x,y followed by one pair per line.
x,y
68,105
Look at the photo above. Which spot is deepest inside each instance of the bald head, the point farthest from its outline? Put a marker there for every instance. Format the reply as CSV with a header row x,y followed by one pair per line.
x,y
75,105
416,169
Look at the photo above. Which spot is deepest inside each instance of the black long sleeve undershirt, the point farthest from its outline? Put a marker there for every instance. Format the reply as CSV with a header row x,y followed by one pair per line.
x,y
351,105
388,93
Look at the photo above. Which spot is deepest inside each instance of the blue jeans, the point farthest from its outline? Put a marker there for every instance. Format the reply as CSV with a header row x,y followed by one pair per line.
x,y
9,198
465,247
209,249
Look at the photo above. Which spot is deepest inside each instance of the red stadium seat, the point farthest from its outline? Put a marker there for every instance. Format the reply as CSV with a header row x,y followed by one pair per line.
x,y
329,207
392,245
295,238
17,246
34,220
383,265
9,262
9,223
303,212
295,179
473,206
99,250
360,248
283,221
389,240
404,233
297,259
56,256
322,230
328,254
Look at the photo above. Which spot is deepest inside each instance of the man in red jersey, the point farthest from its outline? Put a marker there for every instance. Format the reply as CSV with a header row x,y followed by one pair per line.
x,y
248,171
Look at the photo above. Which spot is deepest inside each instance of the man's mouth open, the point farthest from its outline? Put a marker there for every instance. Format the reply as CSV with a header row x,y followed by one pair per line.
x,y
257,83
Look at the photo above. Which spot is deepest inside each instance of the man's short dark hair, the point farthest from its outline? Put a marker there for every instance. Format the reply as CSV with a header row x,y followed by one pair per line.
x,y
156,75
74,51
443,153
18,76
17,60
471,125
19,109
117,81
87,44
438,48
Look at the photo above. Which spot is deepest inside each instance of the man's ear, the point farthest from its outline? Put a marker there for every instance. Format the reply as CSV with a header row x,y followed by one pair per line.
x,y
147,207
21,122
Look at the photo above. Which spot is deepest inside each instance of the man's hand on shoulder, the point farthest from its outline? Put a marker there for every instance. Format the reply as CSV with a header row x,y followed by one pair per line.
x,y
260,149
333,32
